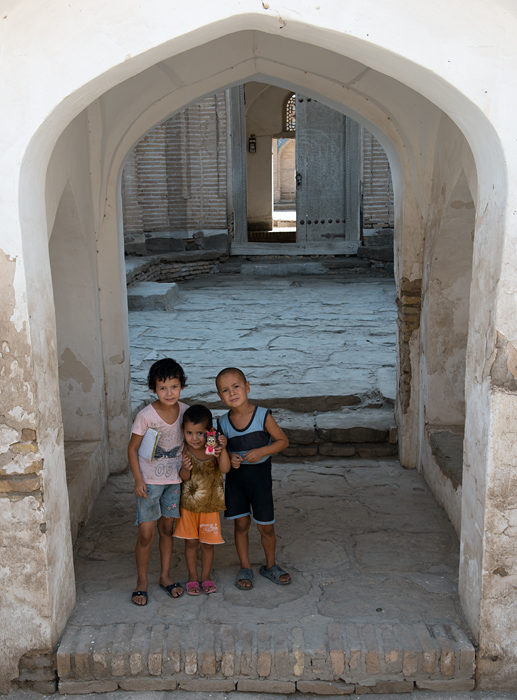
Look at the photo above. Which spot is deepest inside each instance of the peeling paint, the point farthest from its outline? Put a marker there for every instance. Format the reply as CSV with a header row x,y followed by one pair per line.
x,y
458,204
17,317
118,359
504,368
22,416
71,368
408,322
7,436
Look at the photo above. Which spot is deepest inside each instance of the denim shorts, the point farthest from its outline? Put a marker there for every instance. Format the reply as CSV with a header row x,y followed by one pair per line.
x,y
162,499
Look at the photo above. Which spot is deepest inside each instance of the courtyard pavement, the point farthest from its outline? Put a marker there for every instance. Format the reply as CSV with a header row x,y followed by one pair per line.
x,y
366,544
364,541
309,342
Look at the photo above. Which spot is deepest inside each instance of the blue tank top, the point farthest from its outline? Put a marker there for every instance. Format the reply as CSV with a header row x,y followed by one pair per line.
x,y
253,436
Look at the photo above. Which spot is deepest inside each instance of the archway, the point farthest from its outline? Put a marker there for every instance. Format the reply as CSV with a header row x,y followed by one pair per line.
x,y
410,206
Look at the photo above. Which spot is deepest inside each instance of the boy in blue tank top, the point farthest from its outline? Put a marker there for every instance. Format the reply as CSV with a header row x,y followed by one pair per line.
x,y
253,436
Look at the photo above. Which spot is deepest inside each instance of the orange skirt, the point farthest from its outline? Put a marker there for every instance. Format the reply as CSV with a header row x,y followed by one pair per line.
x,y
205,527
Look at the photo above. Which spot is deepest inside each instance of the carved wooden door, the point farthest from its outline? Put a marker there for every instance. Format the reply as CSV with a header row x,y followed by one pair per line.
x,y
320,172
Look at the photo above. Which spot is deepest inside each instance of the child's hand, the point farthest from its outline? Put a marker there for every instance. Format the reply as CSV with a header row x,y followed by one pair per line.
x,y
217,450
252,456
186,463
221,439
235,461
140,489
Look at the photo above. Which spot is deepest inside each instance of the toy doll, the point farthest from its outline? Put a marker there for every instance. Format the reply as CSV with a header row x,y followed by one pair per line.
x,y
211,442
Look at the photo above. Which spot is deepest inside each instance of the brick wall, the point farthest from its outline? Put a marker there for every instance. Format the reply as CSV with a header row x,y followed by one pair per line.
x,y
377,184
133,222
152,180
175,177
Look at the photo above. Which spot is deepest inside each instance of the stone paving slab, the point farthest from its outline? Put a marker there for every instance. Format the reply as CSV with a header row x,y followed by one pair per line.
x,y
305,343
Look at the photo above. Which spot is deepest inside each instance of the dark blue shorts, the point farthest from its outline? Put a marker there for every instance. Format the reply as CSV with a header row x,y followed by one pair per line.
x,y
249,491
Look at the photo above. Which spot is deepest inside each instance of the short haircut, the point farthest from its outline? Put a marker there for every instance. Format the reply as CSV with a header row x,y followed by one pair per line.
x,y
230,370
165,369
198,414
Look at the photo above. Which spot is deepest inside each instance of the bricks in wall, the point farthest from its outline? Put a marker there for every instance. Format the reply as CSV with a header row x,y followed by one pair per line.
x,y
377,184
175,178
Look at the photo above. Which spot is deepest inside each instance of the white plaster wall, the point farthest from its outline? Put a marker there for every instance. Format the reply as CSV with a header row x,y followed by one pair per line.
x,y
390,75
73,255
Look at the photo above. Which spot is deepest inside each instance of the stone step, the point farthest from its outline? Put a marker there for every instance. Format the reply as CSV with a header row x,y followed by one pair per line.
x,y
381,237
284,269
363,432
340,658
152,296
281,266
378,252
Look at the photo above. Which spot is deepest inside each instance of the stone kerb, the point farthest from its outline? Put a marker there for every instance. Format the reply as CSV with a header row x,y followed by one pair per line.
x,y
343,658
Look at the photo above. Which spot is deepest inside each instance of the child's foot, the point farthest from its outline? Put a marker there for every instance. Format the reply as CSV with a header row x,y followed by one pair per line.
x,y
244,579
175,590
208,587
139,595
193,588
276,574
139,598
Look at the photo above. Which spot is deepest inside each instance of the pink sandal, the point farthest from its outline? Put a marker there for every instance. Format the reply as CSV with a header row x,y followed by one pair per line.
x,y
208,587
193,588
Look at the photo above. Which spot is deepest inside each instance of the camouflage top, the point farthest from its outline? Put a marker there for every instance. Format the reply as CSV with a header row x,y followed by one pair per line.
x,y
203,492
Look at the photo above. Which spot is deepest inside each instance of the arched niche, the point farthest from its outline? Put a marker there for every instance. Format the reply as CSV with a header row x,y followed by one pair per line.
x,y
449,292
78,350
445,319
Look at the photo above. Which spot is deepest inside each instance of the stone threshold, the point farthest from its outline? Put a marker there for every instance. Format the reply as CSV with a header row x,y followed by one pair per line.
x,y
341,659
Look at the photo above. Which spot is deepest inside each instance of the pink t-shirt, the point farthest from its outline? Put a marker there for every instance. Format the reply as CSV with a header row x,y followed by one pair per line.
x,y
166,465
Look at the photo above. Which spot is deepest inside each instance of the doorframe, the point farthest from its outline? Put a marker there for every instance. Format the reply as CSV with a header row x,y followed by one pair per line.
x,y
240,244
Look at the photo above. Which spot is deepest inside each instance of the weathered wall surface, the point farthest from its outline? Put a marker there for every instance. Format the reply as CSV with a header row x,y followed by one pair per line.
x,y
35,542
445,307
22,511
73,261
